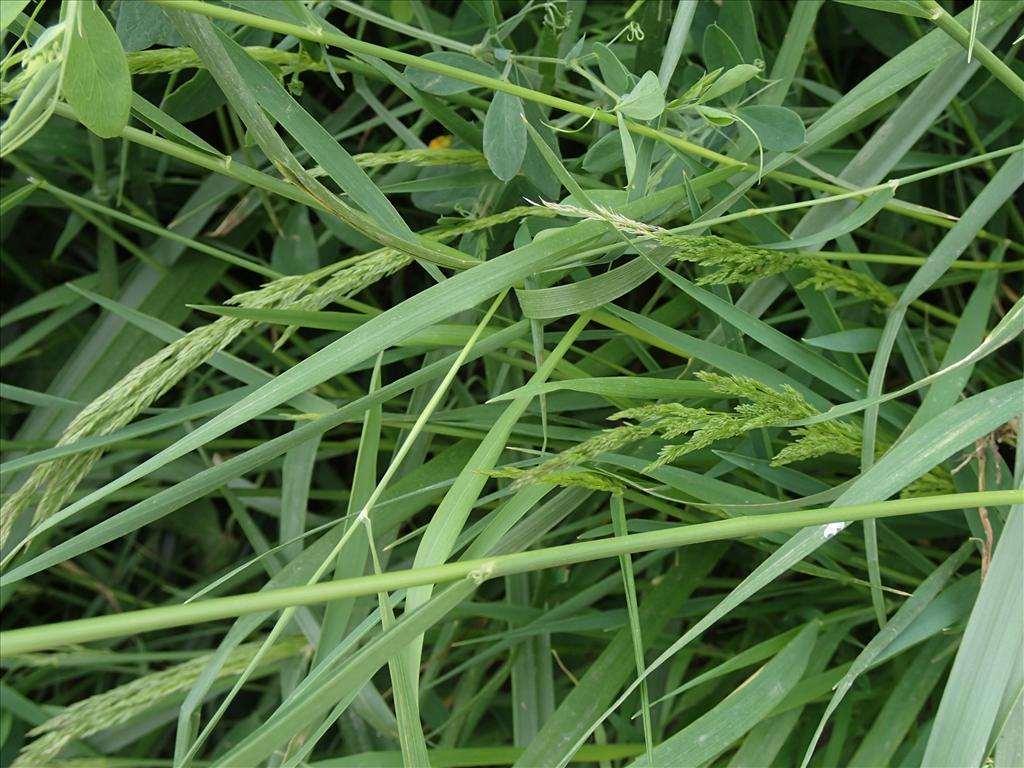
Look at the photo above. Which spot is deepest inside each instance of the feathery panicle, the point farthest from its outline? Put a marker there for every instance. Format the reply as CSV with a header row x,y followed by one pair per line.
x,y
937,482
121,704
593,481
602,442
376,265
732,263
352,280
766,407
52,483
763,407
819,439
138,389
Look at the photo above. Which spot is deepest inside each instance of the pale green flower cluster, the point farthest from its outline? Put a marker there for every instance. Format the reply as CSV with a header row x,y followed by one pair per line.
x,y
121,704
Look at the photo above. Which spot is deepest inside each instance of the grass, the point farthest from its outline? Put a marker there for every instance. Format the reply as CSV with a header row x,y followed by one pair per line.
x,y
497,383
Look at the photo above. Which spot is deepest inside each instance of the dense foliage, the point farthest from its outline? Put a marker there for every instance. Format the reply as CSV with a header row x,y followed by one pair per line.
x,y
419,382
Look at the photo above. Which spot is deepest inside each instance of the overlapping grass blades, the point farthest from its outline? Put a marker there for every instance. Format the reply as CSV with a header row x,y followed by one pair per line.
x,y
314,320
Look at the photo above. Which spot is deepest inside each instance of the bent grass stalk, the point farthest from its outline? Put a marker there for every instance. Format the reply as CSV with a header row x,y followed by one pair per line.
x,y
321,35
34,639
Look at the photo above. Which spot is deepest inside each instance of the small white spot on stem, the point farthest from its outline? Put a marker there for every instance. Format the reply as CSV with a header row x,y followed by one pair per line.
x,y
833,528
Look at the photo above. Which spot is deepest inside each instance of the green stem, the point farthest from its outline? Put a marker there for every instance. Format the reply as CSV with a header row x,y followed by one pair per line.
x,y
32,639
989,60
915,261
416,33
240,172
156,229
324,36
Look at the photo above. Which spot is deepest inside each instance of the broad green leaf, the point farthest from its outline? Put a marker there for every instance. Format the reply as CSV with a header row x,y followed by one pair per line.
x,y
142,25
9,12
645,102
159,120
36,103
96,81
505,135
694,92
737,19
604,155
856,218
628,150
779,129
441,85
676,42
591,292
715,116
614,74
621,386
13,199
718,49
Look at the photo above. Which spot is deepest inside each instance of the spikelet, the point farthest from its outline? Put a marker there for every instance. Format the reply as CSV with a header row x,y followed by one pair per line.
x,y
52,483
593,481
766,407
121,704
348,282
374,266
937,482
422,157
731,263
702,427
819,439
137,390
602,442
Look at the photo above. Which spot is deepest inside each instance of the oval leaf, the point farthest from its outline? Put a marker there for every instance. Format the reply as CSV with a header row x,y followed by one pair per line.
x,y
614,74
443,85
645,101
142,25
778,128
505,135
97,83
604,155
